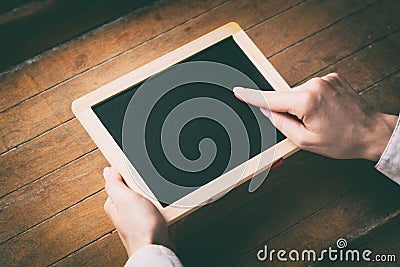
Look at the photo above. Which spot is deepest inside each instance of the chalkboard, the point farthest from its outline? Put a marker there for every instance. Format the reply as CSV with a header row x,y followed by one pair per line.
x,y
112,111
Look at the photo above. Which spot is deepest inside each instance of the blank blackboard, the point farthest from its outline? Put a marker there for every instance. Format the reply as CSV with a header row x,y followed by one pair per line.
x,y
112,111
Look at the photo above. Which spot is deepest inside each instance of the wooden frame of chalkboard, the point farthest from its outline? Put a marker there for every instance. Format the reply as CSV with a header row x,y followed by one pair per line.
x,y
82,108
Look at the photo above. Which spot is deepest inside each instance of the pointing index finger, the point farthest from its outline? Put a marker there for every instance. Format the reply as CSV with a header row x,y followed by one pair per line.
x,y
277,101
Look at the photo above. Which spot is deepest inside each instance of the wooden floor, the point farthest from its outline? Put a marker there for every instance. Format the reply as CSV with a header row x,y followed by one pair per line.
x,y
51,209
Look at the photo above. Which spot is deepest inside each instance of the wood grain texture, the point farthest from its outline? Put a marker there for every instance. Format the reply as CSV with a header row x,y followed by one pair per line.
x,y
59,236
109,251
338,41
382,239
375,201
14,123
271,214
373,65
43,155
58,190
302,22
385,95
80,54
54,23
240,196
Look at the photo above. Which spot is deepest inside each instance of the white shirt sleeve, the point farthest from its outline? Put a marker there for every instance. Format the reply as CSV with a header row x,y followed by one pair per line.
x,y
154,255
389,163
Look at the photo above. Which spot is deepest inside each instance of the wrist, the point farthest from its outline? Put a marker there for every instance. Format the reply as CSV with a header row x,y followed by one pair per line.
x,y
156,237
133,246
379,135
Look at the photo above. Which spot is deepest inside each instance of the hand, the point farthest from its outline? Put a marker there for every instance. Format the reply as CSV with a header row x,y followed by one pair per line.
x,y
136,219
326,116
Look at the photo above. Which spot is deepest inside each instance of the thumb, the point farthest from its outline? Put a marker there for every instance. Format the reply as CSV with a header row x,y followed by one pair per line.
x,y
115,187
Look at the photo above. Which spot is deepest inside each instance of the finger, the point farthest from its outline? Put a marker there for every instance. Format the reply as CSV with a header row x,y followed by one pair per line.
x,y
277,101
290,127
115,186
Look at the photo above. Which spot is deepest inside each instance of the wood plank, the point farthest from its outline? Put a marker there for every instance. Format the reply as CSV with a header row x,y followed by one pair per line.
x,y
55,22
385,95
382,240
57,101
43,155
35,114
240,197
59,236
61,189
375,201
80,54
107,251
272,213
327,47
301,22
378,60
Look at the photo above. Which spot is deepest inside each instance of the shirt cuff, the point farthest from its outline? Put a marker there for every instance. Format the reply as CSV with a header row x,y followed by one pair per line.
x,y
154,255
389,163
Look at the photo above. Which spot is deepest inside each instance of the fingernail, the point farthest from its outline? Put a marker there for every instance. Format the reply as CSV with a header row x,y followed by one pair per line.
x,y
238,89
106,172
266,112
